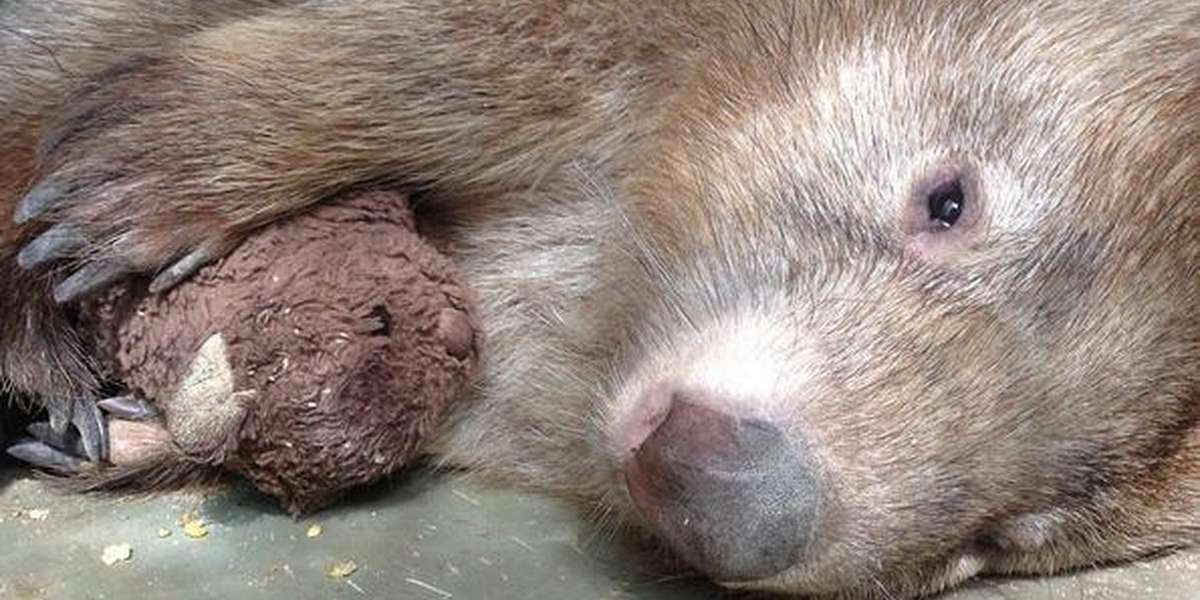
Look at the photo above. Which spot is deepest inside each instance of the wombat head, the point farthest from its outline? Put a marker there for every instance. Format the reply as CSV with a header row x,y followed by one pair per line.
x,y
916,297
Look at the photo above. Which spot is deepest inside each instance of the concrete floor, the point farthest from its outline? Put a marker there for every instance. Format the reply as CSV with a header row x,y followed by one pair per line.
x,y
422,537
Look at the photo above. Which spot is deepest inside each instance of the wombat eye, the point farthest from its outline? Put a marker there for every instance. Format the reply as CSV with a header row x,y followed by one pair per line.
x,y
946,204
945,209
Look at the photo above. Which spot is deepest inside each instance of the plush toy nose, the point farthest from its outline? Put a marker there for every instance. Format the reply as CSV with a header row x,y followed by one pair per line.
x,y
734,497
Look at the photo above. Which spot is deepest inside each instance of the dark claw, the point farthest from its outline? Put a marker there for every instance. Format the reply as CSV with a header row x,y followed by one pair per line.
x,y
43,456
69,442
182,269
93,429
89,422
129,408
91,278
38,200
58,242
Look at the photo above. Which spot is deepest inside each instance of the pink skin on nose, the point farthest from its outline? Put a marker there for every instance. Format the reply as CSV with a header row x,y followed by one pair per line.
x,y
648,413
695,436
697,433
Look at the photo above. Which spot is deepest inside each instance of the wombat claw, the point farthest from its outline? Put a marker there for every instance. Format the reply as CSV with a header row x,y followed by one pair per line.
x,y
39,201
44,456
129,408
181,269
56,243
90,278
89,422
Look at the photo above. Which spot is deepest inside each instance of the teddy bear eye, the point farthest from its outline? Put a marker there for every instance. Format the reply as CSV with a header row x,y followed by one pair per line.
x,y
946,203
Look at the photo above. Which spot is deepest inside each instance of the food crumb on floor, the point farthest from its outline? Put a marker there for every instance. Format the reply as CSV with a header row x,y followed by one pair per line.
x,y
163,532
193,526
341,570
314,530
116,553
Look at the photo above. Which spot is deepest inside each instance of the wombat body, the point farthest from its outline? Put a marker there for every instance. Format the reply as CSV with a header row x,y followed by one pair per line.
x,y
856,299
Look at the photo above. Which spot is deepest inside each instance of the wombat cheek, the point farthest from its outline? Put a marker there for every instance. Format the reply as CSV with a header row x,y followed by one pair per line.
x,y
132,442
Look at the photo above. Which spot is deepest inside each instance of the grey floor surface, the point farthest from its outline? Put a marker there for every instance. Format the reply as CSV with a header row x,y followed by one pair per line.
x,y
422,537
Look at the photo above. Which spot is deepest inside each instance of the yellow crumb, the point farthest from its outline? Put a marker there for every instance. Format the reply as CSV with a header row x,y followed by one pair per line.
x,y
342,570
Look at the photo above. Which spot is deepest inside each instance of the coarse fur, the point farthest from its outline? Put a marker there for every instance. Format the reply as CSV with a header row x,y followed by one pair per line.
x,y
723,195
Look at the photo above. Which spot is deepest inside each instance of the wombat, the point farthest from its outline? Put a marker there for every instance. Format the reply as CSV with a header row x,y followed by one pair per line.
x,y
851,299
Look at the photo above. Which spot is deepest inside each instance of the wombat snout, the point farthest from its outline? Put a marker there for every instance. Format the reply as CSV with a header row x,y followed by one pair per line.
x,y
734,496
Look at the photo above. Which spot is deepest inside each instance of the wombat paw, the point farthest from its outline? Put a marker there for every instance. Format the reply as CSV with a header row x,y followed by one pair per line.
x,y
99,263
58,447
125,185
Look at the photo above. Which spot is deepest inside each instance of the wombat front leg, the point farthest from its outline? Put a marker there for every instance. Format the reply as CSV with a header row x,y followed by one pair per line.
x,y
166,161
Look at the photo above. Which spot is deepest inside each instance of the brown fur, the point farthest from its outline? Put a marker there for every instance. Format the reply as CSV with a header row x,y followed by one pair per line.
x,y
642,190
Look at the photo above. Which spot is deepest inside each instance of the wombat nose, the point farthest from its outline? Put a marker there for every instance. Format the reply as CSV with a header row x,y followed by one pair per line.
x,y
734,497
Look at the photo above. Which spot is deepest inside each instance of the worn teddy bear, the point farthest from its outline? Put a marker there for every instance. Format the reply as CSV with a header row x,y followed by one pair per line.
x,y
316,357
